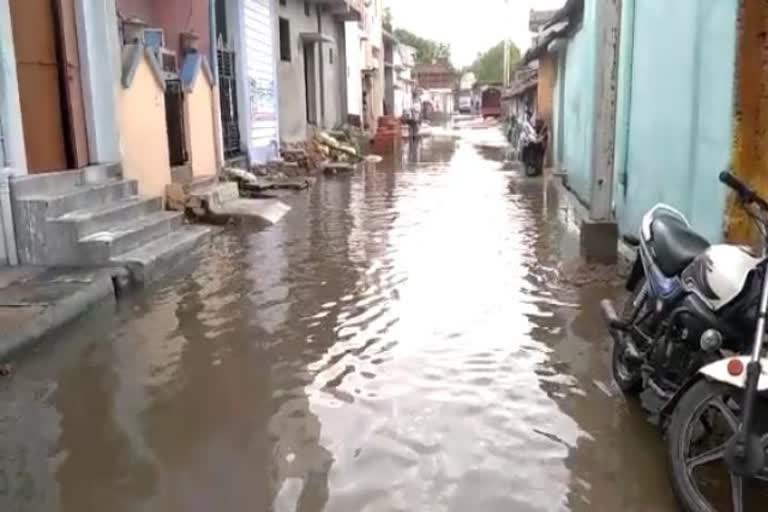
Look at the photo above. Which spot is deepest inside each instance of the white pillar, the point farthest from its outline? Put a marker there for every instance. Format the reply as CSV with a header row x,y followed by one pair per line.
x,y
11,127
607,70
100,67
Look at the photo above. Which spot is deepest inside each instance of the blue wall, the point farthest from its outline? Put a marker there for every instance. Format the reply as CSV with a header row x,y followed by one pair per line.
x,y
578,104
678,98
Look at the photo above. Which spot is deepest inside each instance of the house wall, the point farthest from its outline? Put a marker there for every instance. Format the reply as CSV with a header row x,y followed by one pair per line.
x,y
328,83
558,110
256,39
201,130
354,49
750,145
335,104
546,87
579,104
11,127
173,16
679,126
144,134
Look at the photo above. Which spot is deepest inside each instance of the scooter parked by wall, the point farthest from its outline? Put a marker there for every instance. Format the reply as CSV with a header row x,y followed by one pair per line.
x,y
532,146
694,312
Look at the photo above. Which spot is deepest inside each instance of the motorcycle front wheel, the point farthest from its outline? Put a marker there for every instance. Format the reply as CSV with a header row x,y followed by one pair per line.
x,y
704,421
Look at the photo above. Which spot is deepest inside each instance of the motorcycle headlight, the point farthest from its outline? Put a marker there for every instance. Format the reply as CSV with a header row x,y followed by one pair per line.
x,y
711,340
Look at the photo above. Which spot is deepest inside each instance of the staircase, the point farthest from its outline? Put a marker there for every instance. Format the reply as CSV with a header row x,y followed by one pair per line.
x,y
94,217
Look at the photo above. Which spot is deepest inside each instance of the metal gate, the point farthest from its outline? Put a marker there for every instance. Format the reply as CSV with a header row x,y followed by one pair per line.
x,y
174,118
230,122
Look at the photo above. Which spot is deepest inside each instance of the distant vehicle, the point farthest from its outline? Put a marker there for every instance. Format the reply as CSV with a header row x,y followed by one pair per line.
x,y
465,102
490,102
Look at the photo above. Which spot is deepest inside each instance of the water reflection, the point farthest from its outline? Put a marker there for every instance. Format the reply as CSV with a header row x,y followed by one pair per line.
x,y
403,340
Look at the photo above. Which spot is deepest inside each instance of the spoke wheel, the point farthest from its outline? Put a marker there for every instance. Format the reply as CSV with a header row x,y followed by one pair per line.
x,y
706,418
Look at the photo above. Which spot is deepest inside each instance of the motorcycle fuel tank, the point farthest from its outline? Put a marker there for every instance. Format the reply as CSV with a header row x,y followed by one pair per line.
x,y
719,274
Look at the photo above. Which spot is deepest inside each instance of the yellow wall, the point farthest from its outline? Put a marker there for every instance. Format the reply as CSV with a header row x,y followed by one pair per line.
x,y
143,133
201,131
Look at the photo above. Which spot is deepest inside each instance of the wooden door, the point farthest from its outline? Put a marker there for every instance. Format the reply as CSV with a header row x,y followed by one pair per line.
x,y
71,81
37,67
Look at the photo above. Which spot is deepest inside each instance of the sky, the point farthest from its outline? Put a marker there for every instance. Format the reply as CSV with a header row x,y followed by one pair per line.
x,y
469,26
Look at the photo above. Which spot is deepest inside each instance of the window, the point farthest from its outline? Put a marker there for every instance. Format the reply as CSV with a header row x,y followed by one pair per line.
x,y
330,55
285,40
306,8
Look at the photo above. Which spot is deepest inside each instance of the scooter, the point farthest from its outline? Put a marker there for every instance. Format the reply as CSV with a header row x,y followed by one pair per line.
x,y
529,149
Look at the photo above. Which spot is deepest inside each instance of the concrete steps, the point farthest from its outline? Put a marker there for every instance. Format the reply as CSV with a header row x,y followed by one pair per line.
x,y
84,196
151,261
93,217
178,194
102,246
91,220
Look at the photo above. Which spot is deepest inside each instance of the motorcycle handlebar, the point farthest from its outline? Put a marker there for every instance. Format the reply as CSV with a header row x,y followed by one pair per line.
x,y
746,194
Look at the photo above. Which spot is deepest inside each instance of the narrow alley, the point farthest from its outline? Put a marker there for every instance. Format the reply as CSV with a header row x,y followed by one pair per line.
x,y
412,339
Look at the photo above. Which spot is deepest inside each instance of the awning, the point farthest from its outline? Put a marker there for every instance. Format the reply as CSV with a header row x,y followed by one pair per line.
x,y
315,37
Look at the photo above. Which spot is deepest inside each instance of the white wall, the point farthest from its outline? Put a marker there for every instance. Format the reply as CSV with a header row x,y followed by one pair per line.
x,y
260,82
10,107
293,113
354,68
99,47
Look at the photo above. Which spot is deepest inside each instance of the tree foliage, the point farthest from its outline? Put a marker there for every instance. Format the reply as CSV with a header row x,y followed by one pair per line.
x,y
387,19
489,66
427,51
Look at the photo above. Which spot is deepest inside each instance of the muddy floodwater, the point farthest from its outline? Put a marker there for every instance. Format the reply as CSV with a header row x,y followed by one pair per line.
x,y
408,339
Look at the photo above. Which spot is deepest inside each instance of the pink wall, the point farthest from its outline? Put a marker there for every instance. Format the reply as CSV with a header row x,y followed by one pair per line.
x,y
173,16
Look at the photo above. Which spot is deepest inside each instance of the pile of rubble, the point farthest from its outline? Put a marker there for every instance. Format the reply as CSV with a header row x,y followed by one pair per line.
x,y
329,152
337,151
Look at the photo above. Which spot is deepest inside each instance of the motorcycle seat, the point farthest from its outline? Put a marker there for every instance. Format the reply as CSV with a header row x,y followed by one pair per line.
x,y
675,244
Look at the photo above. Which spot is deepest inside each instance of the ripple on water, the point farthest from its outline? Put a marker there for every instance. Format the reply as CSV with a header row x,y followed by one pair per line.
x,y
390,345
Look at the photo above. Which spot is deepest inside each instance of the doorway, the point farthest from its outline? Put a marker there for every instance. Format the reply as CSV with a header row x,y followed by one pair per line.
x,y
310,82
50,89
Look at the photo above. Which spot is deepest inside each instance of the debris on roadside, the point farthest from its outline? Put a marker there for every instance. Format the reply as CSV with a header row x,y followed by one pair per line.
x,y
254,185
6,370
337,152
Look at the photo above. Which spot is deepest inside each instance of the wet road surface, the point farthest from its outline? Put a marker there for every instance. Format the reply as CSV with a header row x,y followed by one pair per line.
x,y
402,341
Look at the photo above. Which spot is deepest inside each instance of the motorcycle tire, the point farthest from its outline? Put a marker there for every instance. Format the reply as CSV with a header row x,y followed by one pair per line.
x,y
693,399
630,382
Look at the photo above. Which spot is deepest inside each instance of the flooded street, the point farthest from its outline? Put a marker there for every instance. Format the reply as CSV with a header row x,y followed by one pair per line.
x,y
402,341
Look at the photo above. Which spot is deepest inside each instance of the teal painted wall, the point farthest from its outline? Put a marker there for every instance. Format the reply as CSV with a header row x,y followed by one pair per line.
x,y
578,104
676,90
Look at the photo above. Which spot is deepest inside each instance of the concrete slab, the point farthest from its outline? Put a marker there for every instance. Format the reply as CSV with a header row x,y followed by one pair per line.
x,y
35,301
270,210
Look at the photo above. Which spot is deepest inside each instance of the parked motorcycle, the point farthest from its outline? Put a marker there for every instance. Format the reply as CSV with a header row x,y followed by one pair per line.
x,y
530,148
694,313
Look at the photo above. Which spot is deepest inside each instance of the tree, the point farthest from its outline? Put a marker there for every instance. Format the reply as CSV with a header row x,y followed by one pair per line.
x,y
427,50
489,66
387,19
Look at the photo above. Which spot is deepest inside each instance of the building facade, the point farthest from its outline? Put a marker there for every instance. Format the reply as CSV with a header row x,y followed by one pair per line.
x,y
365,67
647,117
312,65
